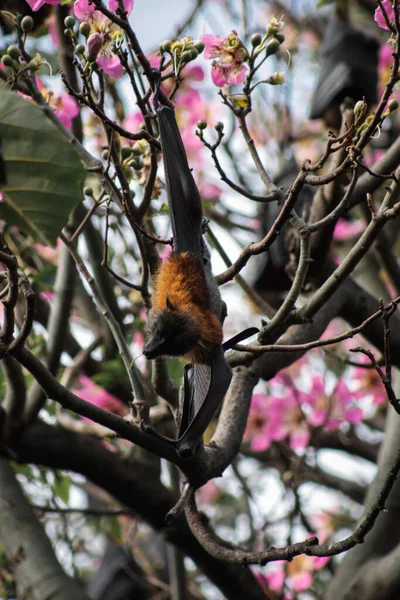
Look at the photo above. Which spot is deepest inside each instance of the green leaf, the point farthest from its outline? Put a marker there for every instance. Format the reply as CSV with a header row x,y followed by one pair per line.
x,y
114,530
62,487
43,173
324,2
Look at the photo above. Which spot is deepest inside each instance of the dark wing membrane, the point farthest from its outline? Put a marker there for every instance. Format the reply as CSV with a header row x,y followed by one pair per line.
x,y
183,195
349,67
204,389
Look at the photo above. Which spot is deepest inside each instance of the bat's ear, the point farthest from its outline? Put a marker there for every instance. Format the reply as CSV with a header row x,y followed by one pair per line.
x,y
170,306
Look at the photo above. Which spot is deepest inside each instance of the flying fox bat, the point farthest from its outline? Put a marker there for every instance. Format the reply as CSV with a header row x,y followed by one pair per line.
x,y
187,306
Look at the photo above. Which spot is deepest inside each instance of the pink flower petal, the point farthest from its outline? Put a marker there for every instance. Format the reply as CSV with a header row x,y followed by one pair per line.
x,y
83,10
70,105
299,439
354,414
301,581
64,118
320,561
213,44
113,5
259,442
275,580
110,65
379,18
35,4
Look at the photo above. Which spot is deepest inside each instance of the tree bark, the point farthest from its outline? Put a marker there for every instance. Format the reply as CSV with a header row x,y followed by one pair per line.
x,y
38,574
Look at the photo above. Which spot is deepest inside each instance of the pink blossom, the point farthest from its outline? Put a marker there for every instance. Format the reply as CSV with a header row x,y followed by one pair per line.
x,y
369,384
66,108
331,410
138,338
93,393
208,493
229,54
301,581
275,418
345,229
104,33
385,58
209,191
36,4
379,18
298,576
257,423
49,253
47,295
287,420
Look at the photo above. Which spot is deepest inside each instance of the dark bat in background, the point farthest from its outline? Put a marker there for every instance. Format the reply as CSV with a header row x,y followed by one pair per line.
x,y
187,306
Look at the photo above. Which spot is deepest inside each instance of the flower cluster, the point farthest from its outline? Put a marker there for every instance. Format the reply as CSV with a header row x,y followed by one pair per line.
x,y
290,414
298,575
229,54
103,34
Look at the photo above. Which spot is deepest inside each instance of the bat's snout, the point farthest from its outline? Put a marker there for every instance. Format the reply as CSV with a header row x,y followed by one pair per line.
x,y
153,348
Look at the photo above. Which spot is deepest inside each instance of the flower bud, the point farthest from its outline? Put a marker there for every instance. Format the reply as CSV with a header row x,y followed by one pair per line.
x,y
67,32
13,51
274,26
126,151
69,22
201,124
139,147
88,191
27,24
272,47
280,37
7,61
255,40
240,100
393,105
84,28
165,46
199,45
193,53
94,45
137,163
186,56
34,64
359,107
104,155
80,49
176,47
278,78
219,127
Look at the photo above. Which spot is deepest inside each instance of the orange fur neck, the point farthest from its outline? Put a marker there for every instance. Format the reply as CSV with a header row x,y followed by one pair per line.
x,y
182,278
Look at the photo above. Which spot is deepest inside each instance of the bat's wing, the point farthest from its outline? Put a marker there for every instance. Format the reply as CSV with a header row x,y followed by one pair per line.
x,y
204,389
349,67
183,195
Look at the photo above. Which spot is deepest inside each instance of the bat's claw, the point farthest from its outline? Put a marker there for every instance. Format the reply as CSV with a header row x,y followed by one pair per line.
x,y
149,429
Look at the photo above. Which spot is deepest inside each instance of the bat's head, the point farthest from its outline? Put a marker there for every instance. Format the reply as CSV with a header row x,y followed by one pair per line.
x,y
172,332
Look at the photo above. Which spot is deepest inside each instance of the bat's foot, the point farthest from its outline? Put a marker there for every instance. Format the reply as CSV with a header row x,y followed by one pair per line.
x,y
148,429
